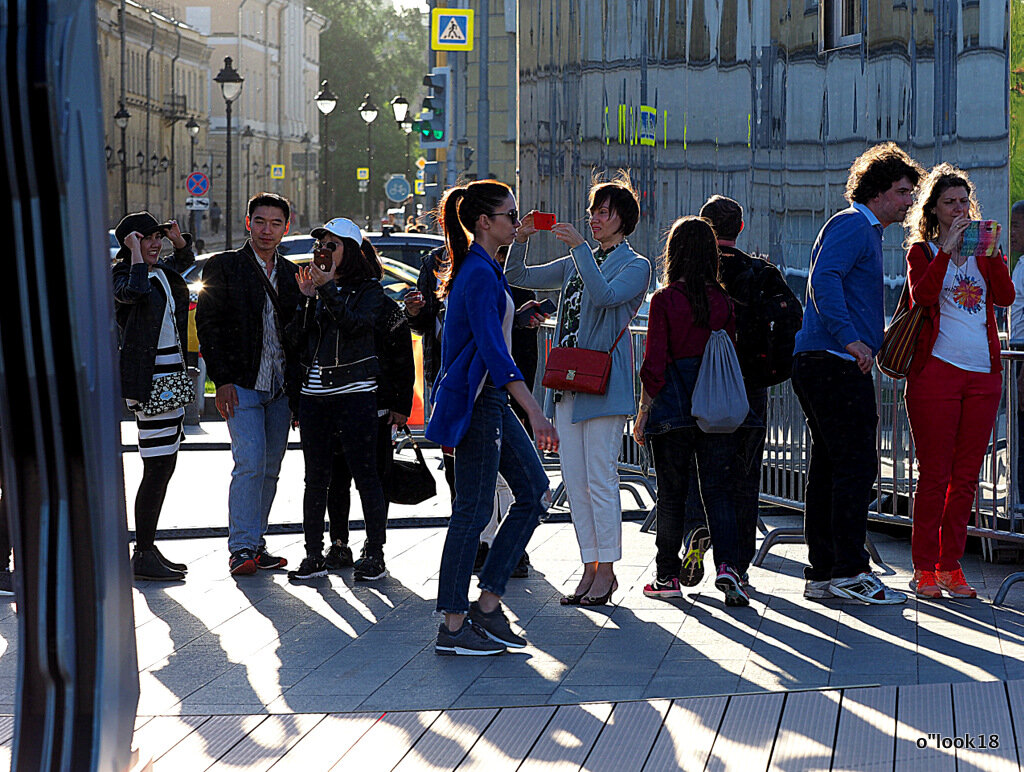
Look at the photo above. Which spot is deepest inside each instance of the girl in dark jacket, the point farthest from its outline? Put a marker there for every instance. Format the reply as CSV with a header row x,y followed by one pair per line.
x,y
393,343
151,306
683,313
334,332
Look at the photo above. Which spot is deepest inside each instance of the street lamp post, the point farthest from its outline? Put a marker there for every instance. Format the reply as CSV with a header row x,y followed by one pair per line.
x,y
368,112
326,101
247,134
400,106
121,121
192,127
306,140
230,87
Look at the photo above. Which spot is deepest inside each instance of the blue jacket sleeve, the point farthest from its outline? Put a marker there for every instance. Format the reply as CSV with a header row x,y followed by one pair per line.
x,y
630,281
483,297
549,276
841,246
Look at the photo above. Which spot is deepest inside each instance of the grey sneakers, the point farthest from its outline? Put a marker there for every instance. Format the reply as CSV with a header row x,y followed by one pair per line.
x,y
468,640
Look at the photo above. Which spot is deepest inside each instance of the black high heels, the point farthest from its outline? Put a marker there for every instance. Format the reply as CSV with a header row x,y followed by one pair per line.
x,y
600,600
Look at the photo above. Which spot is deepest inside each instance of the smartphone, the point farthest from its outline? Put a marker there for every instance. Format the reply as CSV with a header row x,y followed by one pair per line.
x,y
323,260
543,221
981,238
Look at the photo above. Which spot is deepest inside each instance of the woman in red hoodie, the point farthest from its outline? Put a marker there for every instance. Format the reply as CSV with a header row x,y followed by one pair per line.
x,y
954,384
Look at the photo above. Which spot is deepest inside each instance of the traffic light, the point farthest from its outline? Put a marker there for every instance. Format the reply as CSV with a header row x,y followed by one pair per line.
x,y
467,157
431,179
433,124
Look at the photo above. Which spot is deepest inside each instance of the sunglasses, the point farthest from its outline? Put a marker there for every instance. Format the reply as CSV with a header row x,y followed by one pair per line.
x,y
512,213
330,246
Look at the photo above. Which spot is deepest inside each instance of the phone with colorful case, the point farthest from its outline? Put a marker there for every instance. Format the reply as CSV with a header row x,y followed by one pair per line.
x,y
981,238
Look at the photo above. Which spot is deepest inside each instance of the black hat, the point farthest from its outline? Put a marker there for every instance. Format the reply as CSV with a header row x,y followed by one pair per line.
x,y
144,223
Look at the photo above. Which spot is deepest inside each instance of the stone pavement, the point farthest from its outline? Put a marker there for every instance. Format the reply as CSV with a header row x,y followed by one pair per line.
x,y
256,645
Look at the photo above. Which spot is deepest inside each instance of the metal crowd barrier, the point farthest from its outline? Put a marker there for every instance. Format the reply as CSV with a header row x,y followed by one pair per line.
x,y
998,517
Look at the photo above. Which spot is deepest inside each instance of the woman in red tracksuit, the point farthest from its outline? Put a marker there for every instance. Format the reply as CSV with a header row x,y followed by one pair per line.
x,y
954,384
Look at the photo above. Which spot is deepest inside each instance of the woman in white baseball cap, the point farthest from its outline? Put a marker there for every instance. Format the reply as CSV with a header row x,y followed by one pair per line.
x,y
334,334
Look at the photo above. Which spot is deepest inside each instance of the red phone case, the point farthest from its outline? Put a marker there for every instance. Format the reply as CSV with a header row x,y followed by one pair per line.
x,y
543,221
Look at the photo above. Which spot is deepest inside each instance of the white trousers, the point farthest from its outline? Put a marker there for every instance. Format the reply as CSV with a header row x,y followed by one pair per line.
x,y
589,451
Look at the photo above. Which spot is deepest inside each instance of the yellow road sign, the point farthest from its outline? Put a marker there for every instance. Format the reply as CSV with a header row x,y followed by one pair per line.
x,y
277,171
451,29
363,173
417,187
421,162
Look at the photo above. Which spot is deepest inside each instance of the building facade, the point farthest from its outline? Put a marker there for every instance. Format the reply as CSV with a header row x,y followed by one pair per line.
x,y
275,46
767,102
161,80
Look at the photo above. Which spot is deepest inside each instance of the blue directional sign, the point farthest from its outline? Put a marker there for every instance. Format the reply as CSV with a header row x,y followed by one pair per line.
x,y
397,188
197,184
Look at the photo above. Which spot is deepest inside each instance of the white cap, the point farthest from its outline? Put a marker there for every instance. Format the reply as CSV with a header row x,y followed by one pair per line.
x,y
341,227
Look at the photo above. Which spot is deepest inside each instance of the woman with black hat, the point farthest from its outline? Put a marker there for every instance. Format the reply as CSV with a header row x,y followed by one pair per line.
x,y
151,306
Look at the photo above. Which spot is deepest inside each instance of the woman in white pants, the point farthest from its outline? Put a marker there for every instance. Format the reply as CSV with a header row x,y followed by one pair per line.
x,y
601,290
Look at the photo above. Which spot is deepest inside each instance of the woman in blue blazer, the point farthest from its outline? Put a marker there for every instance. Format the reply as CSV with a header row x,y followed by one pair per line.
x,y
601,290
471,413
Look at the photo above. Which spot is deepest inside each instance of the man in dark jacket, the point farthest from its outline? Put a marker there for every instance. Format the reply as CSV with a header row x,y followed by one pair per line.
x,y
248,297
744,277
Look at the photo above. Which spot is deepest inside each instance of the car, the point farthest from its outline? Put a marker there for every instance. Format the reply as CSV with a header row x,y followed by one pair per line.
x,y
112,245
398,279
408,248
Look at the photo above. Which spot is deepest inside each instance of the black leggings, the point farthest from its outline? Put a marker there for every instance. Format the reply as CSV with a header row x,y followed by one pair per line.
x,y
156,474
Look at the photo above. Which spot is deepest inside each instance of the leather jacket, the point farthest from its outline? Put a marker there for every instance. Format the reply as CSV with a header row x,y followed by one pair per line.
x,y
337,330
139,304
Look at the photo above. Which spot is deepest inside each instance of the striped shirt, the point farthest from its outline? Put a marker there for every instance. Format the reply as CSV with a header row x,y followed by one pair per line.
x,y
160,435
271,373
313,387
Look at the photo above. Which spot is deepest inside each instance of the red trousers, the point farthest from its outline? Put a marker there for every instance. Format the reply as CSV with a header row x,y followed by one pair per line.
x,y
951,413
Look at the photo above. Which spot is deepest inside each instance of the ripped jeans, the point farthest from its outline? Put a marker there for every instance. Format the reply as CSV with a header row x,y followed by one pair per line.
x,y
495,441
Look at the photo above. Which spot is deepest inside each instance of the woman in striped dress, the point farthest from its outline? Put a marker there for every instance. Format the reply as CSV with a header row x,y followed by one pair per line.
x,y
151,306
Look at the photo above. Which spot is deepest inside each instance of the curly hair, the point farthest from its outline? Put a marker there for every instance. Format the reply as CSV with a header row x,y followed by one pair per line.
x,y
877,168
923,223
691,257
458,211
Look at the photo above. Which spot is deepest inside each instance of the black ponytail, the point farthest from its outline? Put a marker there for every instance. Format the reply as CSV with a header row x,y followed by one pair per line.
x,y
459,210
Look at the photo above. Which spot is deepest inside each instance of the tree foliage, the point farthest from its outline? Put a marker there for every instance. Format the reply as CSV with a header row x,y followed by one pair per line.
x,y
372,48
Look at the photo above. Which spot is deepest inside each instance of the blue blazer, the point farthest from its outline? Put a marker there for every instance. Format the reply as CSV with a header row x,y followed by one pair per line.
x,y
472,346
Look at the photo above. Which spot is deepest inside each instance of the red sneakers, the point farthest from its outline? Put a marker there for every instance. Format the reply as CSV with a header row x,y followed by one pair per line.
x,y
955,584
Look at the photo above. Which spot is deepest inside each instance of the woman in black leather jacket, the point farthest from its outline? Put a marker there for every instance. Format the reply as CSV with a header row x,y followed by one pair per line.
x,y
151,307
394,404
334,332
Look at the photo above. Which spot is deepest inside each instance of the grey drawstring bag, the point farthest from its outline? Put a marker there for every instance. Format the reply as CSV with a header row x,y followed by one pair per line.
x,y
719,401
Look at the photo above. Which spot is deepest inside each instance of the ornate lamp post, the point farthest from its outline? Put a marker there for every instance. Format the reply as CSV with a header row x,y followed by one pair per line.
x,y
368,112
307,171
326,100
192,127
247,134
121,121
230,87
400,106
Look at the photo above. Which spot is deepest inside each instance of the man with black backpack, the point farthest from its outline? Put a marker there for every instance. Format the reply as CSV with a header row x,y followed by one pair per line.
x,y
768,316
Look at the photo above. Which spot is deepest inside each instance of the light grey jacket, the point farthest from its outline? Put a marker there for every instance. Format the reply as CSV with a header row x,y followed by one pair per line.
x,y
612,295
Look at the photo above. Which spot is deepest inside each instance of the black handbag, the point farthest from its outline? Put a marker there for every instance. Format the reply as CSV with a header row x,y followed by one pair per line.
x,y
409,482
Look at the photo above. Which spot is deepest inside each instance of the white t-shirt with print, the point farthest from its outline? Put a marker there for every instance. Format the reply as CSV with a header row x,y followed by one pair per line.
x,y
963,334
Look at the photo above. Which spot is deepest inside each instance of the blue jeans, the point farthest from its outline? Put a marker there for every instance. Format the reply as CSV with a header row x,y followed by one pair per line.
x,y
259,436
495,441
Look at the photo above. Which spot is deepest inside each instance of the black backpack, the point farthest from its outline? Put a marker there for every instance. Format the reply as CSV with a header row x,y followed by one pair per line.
x,y
768,317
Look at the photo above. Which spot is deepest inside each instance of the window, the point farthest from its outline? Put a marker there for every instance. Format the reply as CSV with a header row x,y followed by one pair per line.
x,y
840,23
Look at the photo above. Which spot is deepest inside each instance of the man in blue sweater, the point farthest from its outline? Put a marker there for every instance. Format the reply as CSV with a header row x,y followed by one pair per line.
x,y
844,320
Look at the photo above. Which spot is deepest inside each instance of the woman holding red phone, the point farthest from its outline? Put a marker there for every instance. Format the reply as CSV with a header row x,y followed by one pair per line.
x,y
954,383
601,290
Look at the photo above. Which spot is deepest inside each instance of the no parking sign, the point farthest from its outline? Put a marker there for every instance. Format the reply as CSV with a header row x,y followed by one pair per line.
x,y
197,184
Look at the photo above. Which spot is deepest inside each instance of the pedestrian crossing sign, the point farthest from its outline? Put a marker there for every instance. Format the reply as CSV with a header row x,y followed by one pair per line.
x,y
277,171
451,29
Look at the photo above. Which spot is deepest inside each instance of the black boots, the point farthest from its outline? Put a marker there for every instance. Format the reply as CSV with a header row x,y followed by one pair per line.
x,y
146,564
